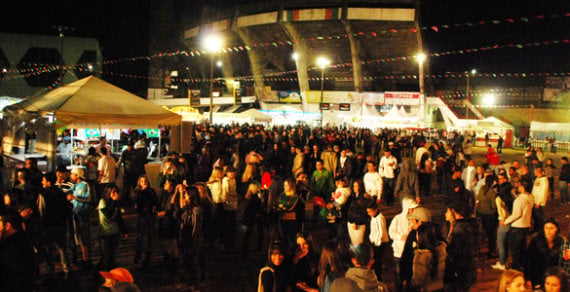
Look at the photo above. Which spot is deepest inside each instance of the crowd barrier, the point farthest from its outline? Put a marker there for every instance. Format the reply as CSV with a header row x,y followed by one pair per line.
x,y
561,146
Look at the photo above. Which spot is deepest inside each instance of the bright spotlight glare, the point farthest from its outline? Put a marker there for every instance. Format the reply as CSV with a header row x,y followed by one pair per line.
x,y
212,43
421,57
489,99
323,62
295,56
219,63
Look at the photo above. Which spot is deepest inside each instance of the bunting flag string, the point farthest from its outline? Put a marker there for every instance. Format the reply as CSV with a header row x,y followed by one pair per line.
x,y
437,28
46,68
278,76
510,20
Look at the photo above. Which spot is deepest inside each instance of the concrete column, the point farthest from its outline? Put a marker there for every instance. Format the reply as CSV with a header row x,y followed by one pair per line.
x,y
257,60
302,49
227,70
355,55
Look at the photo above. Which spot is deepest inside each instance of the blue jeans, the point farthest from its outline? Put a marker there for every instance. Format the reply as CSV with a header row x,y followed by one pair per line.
x,y
517,246
502,235
563,187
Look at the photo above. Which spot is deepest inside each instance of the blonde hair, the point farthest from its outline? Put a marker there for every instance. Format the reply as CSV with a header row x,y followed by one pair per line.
x,y
252,189
247,172
507,278
217,174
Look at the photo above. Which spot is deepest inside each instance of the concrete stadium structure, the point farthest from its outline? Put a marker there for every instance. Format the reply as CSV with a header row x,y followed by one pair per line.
x,y
30,63
362,39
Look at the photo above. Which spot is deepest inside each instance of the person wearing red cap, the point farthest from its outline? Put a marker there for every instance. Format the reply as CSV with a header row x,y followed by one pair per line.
x,y
115,276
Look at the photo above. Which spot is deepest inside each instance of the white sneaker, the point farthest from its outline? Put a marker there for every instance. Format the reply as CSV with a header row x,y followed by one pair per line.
x,y
498,266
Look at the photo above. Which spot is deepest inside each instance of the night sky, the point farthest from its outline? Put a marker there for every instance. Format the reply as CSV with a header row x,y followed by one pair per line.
x,y
122,30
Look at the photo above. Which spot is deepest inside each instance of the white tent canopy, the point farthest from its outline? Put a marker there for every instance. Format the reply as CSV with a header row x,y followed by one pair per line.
x,y
257,116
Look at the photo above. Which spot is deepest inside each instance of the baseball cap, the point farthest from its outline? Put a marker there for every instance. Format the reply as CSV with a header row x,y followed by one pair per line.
x,y
78,171
421,214
118,274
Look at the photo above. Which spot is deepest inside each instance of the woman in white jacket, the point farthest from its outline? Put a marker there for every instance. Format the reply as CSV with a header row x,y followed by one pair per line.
x,y
398,231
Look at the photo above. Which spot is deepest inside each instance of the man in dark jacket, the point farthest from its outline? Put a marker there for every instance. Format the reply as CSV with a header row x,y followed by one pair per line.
x,y
563,180
344,166
17,257
462,250
407,183
456,192
54,211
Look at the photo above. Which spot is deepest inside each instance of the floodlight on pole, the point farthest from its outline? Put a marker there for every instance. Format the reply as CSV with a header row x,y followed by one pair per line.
x,y
489,99
468,76
212,43
219,64
421,57
323,63
295,56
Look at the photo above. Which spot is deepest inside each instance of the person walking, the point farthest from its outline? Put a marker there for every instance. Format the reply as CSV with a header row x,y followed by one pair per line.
x,y
111,227
520,222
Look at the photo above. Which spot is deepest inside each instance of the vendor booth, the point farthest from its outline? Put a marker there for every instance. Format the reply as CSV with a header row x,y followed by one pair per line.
x,y
89,103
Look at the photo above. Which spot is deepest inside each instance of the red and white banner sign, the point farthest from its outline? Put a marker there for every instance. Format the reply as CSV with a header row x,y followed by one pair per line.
x,y
402,98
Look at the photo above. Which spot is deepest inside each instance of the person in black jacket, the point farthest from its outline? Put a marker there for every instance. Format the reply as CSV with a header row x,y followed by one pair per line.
x,y
54,212
253,217
18,263
543,251
146,203
564,180
462,250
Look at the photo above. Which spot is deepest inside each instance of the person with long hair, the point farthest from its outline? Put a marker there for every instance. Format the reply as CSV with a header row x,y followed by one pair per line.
x,y
330,266
253,216
111,227
191,237
230,197
275,276
357,216
168,224
146,205
512,280
305,262
555,280
543,251
486,210
286,204
215,186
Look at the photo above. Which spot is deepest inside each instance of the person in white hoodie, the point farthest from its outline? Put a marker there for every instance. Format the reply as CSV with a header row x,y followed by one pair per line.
x,y
540,191
378,236
469,176
519,221
398,231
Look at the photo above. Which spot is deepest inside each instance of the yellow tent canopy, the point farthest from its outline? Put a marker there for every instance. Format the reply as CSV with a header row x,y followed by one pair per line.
x,y
93,103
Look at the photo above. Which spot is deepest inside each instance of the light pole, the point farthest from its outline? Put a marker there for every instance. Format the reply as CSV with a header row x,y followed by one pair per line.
x,y
212,43
322,62
469,74
421,57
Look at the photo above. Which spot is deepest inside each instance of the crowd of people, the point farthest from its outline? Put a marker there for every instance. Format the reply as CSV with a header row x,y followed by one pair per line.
x,y
289,183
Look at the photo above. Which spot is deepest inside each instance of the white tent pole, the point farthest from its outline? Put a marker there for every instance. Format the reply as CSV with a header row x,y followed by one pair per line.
x,y
71,153
158,149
